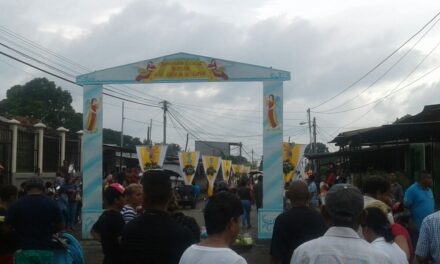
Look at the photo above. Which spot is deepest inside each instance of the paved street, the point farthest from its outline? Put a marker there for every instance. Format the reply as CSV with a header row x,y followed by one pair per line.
x,y
258,254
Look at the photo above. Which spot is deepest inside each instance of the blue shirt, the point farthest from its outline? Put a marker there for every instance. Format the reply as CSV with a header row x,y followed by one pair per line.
x,y
313,190
420,201
429,238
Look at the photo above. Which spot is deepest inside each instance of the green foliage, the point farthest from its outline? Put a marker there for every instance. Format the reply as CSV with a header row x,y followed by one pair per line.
x,y
111,136
42,99
320,148
173,149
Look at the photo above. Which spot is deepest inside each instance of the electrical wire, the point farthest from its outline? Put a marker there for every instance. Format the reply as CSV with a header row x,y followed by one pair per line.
x,y
377,65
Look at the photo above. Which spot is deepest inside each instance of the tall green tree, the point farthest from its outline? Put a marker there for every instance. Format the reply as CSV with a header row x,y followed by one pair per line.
x,y
110,136
320,148
42,99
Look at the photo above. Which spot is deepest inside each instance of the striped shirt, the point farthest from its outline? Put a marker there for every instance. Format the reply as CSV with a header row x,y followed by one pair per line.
x,y
128,213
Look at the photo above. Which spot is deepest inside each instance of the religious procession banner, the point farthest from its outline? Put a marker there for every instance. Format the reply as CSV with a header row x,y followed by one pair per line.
x,y
151,157
211,165
188,164
226,169
293,154
236,168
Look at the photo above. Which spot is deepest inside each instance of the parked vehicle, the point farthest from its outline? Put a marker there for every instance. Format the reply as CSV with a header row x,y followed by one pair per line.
x,y
185,195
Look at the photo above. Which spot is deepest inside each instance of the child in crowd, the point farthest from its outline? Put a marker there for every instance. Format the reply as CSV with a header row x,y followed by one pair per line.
x,y
134,197
108,228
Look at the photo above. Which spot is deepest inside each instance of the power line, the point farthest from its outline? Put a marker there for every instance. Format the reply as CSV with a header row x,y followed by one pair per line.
x,y
387,71
378,65
396,88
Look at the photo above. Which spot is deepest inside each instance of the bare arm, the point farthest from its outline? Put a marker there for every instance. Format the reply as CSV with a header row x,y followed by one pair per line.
x,y
403,244
96,236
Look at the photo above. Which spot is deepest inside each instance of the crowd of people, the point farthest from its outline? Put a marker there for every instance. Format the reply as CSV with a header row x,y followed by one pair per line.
x,y
141,222
381,224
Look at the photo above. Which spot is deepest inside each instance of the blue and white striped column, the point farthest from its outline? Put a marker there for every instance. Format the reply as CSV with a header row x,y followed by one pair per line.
x,y
92,158
272,160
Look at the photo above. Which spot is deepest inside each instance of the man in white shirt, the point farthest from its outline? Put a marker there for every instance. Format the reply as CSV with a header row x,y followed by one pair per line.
x,y
222,220
343,210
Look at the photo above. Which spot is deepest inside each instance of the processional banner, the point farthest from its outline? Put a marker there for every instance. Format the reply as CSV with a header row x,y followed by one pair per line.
x,y
188,164
211,165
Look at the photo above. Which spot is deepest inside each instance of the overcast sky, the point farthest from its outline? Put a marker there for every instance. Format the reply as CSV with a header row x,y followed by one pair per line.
x,y
326,45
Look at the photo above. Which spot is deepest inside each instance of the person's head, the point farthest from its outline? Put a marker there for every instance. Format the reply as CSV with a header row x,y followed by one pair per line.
x,y
157,189
114,196
23,185
376,225
34,185
344,206
425,179
271,97
48,185
134,195
298,193
69,180
173,206
8,194
393,177
222,215
379,188
221,186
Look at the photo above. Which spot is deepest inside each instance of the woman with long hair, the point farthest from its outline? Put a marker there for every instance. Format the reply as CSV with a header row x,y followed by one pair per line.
x,y
377,230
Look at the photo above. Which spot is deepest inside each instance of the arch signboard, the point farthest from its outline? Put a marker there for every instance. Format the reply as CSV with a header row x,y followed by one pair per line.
x,y
179,68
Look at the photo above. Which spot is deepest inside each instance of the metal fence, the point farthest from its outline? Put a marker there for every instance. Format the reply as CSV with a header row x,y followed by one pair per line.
x,y
5,143
72,152
26,151
51,153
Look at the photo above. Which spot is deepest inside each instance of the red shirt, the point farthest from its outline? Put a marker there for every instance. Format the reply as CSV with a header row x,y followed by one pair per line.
x,y
399,230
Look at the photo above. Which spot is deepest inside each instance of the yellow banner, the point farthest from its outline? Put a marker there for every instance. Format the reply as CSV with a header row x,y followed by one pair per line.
x,y
181,69
291,156
236,168
188,163
211,165
151,157
226,169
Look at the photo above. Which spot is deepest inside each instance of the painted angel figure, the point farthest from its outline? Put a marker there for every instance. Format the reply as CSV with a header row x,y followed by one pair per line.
x,y
272,104
91,116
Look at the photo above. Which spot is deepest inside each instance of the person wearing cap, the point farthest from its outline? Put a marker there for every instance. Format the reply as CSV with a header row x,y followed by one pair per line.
x,y
296,226
34,218
108,228
344,211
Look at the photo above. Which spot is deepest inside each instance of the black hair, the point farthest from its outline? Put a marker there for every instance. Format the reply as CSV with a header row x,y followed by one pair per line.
x,y
8,191
48,184
221,208
374,184
34,183
157,187
424,174
376,220
111,195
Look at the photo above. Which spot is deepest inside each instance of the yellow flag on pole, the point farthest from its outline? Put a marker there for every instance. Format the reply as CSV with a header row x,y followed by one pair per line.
x,y
188,164
211,165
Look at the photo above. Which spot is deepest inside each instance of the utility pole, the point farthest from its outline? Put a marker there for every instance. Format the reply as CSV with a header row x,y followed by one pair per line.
x,y
252,157
122,137
186,144
314,144
240,148
165,109
310,128
314,136
149,136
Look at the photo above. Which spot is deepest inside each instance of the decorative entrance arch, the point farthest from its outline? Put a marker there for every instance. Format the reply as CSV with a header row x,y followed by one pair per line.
x,y
178,68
